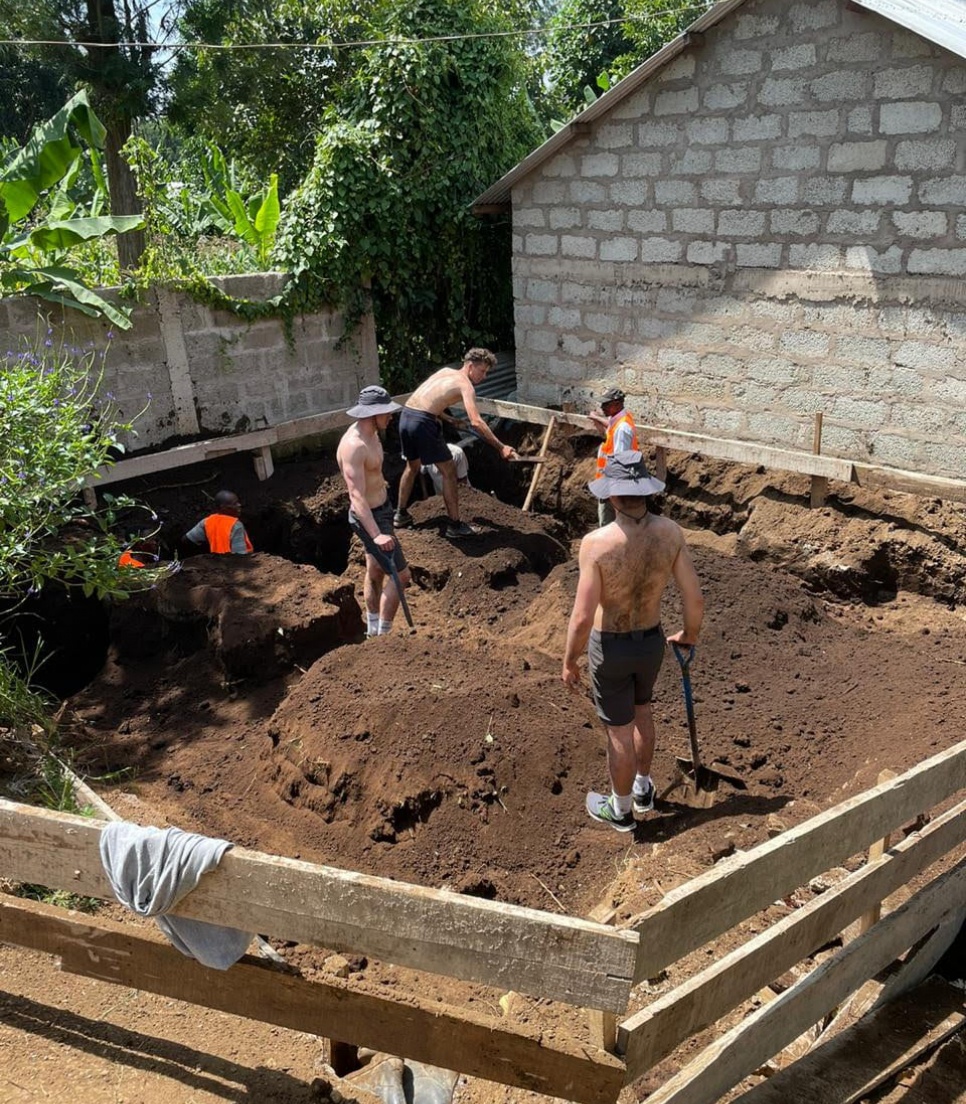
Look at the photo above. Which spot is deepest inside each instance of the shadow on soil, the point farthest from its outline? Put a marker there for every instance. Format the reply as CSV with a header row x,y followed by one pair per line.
x,y
195,1069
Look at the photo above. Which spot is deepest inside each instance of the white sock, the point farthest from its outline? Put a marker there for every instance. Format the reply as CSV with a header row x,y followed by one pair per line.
x,y
372,623
622,805
384,626
642,782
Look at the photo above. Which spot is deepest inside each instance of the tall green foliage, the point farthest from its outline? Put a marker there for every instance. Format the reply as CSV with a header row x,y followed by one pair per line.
x,y
41,220
416,133
594,43
263,105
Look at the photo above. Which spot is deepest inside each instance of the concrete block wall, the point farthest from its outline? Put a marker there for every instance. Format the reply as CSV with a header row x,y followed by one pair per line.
x,y
771,226
195,371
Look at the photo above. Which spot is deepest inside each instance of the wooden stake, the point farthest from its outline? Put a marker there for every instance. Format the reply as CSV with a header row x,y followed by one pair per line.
x,y
819,482
660,463
264,465
538,468
876,851
603,1025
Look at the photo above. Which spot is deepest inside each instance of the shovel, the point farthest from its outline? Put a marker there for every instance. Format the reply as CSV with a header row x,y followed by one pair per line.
x,y
388,565
698,782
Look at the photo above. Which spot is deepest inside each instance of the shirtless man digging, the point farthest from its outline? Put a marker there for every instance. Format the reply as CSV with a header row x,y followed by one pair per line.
x,y
624,570
421,434
370,514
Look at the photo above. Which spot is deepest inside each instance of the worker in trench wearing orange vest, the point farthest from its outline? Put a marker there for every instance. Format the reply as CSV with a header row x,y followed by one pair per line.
x,y
222,531
620,435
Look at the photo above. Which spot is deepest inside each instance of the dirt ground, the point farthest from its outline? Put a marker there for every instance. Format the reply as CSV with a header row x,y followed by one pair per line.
x,y
241,700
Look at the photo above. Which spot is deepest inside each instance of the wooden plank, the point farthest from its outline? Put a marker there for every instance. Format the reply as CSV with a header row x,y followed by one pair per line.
x,y
721,448
849,1067
894,479
744,1048
427,1032
180,457
651,1034
736,887
547,955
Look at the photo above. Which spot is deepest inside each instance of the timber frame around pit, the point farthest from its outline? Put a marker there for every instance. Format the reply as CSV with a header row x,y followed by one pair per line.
x,y
584,963
820,467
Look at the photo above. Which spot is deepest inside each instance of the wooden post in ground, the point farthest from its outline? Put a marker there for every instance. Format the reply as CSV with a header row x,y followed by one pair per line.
x,y
876,851
264,465
660,463
538,468
603,1025
819,482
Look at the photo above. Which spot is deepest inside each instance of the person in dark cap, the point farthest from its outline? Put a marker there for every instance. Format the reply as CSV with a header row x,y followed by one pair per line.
x,y
370,513
620,435
625,568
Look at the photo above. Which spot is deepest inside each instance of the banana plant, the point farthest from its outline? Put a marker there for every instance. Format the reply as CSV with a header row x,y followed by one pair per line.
x,y
35,247
254,220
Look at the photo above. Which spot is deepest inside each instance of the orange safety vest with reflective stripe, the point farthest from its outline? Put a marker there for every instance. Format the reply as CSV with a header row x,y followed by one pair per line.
x,y
127,559
218,529
607,448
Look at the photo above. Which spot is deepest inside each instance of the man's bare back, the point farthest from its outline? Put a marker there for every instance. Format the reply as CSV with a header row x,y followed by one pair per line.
x,y
635,563
441,390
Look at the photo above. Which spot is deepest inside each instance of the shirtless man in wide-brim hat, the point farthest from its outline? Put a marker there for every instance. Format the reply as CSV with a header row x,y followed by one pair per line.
x,y
360,459
625,568
421,433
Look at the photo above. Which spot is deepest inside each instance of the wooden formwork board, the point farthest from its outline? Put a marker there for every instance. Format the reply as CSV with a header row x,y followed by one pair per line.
x,y
704,908
651,1034
558,957
744,1048
465,1041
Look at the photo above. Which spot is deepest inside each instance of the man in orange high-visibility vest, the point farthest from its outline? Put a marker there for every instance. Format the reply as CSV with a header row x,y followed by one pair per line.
x,y
222,531
620,435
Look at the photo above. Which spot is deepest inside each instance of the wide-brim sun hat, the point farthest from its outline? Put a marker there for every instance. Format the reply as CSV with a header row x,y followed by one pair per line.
x,y
626,476
373,401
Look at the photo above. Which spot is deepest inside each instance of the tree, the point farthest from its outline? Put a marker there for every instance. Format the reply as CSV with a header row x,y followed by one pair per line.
x,y
416,132
123,78
30,91
582,43
594,43
263,106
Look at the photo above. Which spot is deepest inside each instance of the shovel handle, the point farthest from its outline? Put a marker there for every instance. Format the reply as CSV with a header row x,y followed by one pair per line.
x,y
684,657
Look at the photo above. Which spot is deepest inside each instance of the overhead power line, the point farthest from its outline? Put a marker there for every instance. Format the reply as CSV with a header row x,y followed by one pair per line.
x,y
329,45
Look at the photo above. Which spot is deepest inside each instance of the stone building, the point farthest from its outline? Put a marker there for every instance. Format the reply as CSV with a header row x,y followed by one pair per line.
x,y
763,221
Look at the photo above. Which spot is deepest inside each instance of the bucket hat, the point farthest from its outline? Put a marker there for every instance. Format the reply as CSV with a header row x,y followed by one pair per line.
x,y
625,475
373,400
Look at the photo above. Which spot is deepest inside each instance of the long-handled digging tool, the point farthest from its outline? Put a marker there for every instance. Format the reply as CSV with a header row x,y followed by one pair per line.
x,y
698,783
387,564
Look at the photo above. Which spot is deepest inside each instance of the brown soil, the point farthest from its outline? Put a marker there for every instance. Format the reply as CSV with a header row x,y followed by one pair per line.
x,y
242,701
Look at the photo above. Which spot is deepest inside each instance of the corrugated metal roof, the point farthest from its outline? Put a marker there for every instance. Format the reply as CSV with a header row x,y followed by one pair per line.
x,y
939,21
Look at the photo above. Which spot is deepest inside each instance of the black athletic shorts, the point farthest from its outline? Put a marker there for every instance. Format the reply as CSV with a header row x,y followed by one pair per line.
x,y
421,436
623,668
383,518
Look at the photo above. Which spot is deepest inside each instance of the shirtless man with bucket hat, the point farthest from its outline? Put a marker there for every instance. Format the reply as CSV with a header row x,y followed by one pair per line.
x,y
625,568
360,459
